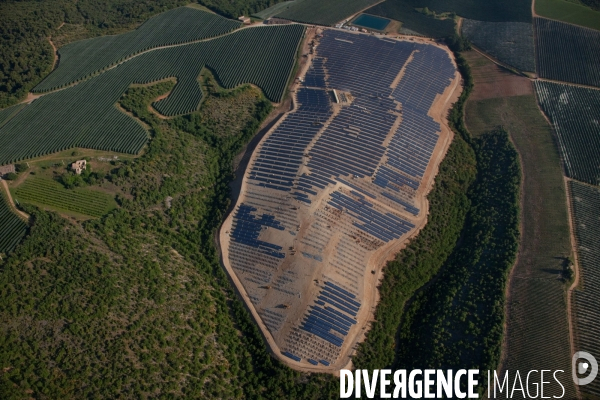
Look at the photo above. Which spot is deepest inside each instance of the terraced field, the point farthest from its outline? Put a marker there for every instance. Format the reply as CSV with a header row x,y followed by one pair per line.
x,y
509,42
85,116
12,228
585,203
574,113
45,192
80,60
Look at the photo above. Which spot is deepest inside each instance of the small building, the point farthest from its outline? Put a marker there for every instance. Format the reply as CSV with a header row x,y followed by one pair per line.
x,y
245,20
79,166
7,169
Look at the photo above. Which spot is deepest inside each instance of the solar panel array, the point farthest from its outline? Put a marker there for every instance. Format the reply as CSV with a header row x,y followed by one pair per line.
x,y
354,168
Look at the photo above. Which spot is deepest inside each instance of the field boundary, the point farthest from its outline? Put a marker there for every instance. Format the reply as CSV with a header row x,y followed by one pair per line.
x,y
575,283
25,217
33,96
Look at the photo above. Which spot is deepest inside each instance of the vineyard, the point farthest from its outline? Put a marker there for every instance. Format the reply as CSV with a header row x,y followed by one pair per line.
x,y
12,228
85,116
82,59
585,201
567,52
509,42
46,192
574,113
9,112
324,12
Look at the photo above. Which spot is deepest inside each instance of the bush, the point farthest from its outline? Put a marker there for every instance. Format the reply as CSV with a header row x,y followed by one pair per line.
x,y
21,167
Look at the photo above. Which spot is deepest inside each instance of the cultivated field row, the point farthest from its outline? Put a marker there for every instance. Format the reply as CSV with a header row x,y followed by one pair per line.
x,y
12,228
574,113
84,58
585,202
85,115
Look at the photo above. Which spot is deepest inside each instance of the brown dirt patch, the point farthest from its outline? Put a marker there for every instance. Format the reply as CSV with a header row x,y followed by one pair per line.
x,y
494,81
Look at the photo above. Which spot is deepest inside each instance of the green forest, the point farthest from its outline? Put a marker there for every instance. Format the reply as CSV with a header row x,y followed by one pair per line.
x,y
136,303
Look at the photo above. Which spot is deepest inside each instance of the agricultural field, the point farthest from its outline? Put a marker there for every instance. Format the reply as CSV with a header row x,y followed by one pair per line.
x,y
85,116
82,59
150,309
585,203
567,53
9,112
46,192
493,82
574,111
509,42
321,12
12,228
413,20
537,332
276,9
573,12
495,10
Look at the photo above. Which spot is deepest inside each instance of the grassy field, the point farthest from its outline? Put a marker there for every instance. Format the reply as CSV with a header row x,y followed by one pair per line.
x,y
47,192
537,333
567,11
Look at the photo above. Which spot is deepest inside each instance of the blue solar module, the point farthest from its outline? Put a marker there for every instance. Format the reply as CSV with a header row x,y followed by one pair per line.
x,y
378,144
336,318
292,356
246,229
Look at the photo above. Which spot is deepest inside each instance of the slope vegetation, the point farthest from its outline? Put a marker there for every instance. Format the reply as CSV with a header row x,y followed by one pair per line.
x,y
537,333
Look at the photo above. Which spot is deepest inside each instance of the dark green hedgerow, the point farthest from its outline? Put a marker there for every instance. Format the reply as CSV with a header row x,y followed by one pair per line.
x,y
457,321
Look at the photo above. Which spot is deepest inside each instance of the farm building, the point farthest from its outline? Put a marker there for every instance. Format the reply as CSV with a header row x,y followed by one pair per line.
x,y
245,20
7,169
79,166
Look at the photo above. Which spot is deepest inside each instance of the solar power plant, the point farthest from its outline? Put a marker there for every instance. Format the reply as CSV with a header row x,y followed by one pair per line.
x,y
335,189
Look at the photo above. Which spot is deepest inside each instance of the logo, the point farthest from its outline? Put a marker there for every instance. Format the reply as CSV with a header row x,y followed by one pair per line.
x,y
582,367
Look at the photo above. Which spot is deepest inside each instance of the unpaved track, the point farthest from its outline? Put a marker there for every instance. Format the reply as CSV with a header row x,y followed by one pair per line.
x,y
12,203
